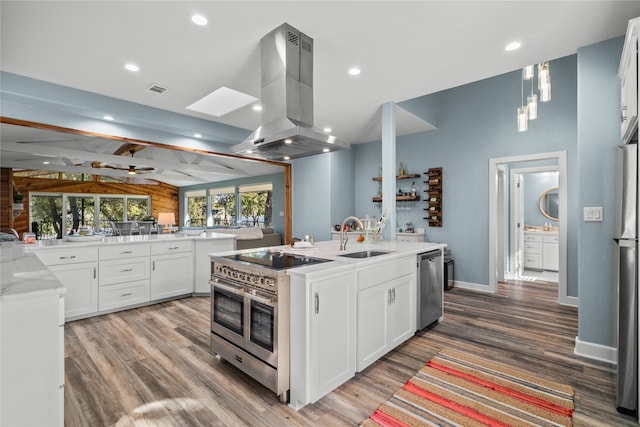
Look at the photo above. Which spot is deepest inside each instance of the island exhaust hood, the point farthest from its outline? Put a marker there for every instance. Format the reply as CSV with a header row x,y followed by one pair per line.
x,y
287,130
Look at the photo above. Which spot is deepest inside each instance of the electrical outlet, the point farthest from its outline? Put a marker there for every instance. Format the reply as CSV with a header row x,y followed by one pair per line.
x,y
594,214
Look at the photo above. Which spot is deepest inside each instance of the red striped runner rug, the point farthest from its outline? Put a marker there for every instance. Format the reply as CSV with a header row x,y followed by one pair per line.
x,y
455,389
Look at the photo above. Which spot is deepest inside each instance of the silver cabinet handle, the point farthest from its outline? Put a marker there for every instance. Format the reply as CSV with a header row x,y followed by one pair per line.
x,y
229,288
68,257
394,295
263,300
126,270
317,303
174,248
126,252
94,272
154,266
128,294
388,296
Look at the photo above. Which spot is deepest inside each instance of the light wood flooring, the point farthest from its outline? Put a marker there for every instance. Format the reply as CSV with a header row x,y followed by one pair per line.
x,y
152,366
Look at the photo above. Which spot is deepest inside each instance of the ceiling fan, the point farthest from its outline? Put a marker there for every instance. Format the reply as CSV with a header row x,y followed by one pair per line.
x,y
133,170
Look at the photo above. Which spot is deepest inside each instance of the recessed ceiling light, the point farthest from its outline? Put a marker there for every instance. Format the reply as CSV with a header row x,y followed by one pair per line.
x,y
46,163
327,130
132,67
257,107
325,150
286,158
512,46
288,141
110,118
199,20
197,135
249,151
354,71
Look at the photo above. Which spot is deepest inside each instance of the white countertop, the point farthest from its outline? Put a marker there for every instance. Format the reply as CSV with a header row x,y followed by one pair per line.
x,y
109,240
330,250
541,232
23,273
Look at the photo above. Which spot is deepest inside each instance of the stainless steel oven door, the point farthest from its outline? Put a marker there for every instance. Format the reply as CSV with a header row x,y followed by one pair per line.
x,y
228,311
262,321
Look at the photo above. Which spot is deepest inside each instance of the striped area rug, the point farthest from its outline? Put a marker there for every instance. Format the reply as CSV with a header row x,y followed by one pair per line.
x,y
455,389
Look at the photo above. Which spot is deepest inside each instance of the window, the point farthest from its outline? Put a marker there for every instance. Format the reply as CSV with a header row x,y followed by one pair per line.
x,y
80,211
196,208
256,204
46,215
54,215
76,176
223,206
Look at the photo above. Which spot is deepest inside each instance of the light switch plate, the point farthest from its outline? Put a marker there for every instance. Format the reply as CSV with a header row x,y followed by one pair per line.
x,y
594,214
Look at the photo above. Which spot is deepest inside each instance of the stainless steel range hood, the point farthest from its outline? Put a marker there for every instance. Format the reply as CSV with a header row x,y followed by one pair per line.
x,y
287,130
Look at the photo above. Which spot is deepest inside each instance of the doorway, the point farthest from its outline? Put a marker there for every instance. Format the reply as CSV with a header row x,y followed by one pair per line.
x,y
498,223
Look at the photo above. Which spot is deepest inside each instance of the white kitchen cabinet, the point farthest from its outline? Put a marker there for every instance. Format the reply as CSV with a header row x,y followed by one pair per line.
x,y
171,269
124,276
77,270
332,334
628,73
32,359
550,253
386,310
323,334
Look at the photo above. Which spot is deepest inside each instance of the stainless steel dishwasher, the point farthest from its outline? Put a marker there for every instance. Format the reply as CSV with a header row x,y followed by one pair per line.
x,y
430,288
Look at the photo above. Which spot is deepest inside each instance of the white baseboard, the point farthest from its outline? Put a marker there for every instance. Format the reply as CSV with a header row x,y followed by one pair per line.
x,y
570,301
595,351
472,286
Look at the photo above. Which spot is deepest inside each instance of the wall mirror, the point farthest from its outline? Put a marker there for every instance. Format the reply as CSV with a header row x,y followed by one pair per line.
x,y
548,203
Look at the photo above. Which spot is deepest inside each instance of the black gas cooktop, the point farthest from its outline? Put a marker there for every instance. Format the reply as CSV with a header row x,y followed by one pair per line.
x,y
275,260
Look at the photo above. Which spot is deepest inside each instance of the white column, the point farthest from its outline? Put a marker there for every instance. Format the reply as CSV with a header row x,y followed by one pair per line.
x,y
389,168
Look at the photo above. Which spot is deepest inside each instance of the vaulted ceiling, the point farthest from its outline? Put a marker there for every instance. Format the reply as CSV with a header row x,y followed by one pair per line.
x,y
404,49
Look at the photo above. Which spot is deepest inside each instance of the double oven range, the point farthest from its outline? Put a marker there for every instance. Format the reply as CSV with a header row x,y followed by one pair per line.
x,y
250,313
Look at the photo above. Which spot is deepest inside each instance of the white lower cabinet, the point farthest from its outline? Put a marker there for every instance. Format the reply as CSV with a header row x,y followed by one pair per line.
x,y
323,318
120,295
332,335
386,314
171,275
77,271
550,253
202,261
32,359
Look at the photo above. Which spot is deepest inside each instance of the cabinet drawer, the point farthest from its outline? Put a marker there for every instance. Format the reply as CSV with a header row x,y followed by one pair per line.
x,y
533,261
162,248
123,251
550,239
532,237
119,271
68,256
122,295
385,272
533,248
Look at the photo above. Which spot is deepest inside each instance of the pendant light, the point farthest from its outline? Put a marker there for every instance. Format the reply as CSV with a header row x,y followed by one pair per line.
x,y
544,82
521,112
527,72
532,102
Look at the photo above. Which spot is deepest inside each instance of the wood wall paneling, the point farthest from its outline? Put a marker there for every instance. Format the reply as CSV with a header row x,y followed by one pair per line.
x,y
6,198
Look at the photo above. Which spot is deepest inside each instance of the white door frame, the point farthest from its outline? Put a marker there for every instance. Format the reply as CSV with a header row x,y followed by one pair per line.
x,y
561,158
517,212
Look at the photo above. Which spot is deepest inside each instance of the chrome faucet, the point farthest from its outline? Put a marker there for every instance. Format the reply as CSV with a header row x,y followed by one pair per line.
x,y
343,237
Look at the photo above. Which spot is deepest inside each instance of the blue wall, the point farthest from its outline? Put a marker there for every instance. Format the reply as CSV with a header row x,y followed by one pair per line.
x,y
476,122
599,134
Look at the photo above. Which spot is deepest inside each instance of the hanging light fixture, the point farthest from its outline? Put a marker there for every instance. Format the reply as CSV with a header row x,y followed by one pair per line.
x,y
521,112
532,101
527,72
544,82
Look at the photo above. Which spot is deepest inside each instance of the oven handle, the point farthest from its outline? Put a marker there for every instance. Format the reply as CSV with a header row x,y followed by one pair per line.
x,y
228,288
263,300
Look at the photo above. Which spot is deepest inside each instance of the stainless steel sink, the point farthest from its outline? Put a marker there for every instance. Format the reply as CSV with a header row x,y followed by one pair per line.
x,y
364,254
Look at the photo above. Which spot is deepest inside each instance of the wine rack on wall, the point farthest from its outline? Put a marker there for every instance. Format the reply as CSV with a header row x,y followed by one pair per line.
x,y
434,197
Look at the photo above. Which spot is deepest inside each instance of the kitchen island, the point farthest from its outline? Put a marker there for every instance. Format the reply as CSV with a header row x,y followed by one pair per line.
x,y
122,272
346,313
31,340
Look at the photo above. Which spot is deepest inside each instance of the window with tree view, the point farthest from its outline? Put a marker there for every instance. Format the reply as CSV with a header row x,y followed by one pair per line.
x,y
196,208
256,204
223,206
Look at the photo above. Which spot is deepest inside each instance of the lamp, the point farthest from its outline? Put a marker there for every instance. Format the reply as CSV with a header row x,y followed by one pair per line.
x,y
530,110
544,82
521,112
165,219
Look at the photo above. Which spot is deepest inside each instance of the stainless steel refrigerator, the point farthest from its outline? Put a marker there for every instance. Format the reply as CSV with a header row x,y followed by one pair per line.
x,y
625,274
